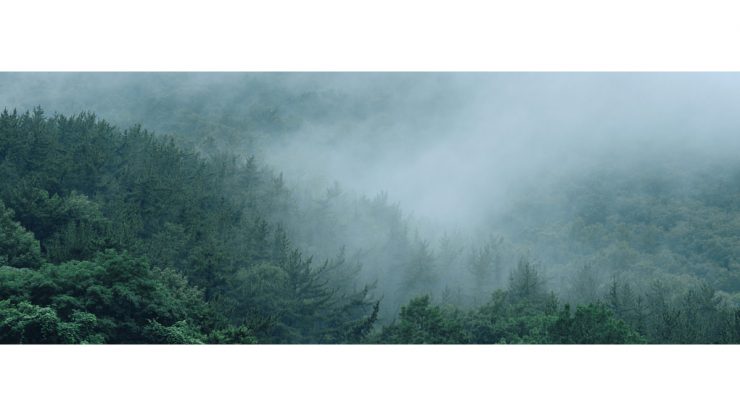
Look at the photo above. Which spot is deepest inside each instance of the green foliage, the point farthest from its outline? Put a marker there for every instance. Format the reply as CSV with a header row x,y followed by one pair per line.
x,y
181,332
232,335
592,324
25,323
423,323
18,247
294,303
507,320
117,297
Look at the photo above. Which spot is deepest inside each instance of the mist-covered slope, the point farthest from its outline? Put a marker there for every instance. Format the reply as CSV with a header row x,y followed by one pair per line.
x,y
501,197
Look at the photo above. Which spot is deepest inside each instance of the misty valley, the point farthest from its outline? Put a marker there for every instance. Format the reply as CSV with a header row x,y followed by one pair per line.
x,y
369,208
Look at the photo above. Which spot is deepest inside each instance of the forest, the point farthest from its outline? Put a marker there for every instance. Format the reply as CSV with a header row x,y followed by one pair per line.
x,y
270,209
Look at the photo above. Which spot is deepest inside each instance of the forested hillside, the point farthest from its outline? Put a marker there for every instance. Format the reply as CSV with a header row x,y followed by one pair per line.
x,y
116,234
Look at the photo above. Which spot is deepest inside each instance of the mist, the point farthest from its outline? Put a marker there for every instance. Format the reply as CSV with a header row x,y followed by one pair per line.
x,y
451,148
454,147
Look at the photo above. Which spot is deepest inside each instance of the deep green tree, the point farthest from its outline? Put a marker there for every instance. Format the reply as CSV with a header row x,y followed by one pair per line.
x,y
18,247
591,324
420,322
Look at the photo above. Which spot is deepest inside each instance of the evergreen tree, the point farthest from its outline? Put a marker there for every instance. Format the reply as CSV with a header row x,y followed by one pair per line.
x,y
18,247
